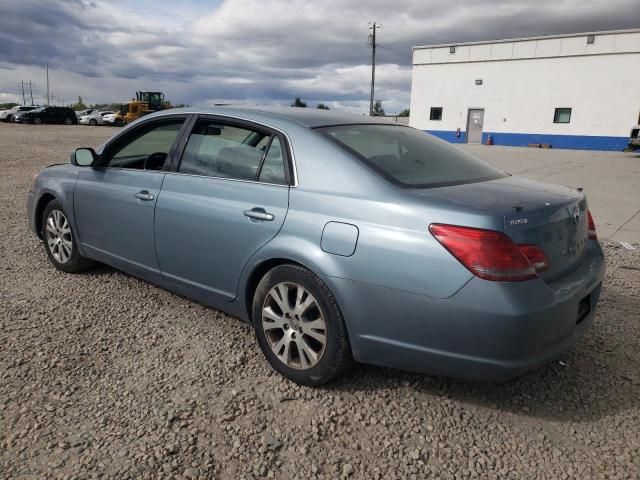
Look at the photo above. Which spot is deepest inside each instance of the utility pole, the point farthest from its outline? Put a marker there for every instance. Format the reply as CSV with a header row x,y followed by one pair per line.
x,y
47,84
24,102
31,91
372,39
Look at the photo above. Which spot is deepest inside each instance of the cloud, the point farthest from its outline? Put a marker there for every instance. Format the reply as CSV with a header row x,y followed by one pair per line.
x,y
263,51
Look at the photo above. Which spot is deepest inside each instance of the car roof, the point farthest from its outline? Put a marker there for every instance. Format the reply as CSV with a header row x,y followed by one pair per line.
x,y
309,117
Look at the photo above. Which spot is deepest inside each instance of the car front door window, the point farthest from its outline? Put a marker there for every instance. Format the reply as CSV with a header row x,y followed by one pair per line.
x,y
147,149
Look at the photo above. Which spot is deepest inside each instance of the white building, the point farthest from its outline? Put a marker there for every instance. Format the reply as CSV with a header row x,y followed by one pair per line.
x,y
570,91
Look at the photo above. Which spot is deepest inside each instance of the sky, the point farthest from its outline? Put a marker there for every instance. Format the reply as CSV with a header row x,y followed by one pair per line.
x,y
202,52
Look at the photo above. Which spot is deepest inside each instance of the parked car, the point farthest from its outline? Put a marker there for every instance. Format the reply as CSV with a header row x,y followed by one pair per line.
x,y
8,115
336,236
86,111
47,115
95,118
634,138
109,119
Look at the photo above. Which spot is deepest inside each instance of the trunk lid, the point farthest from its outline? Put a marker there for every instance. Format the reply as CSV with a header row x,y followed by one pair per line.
x,y
553,217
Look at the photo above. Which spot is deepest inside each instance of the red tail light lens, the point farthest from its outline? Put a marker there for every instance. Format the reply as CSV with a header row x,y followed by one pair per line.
x,y
536,257
489,254
592,228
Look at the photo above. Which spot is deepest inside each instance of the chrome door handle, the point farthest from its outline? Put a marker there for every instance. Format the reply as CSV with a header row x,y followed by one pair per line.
x,y
258,214
144,195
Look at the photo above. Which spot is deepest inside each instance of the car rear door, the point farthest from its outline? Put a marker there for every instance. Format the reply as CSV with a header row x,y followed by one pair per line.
x,y
226,197
114,203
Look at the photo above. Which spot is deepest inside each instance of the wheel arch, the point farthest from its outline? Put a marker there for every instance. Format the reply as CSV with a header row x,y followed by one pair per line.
x,y
43,201
259,271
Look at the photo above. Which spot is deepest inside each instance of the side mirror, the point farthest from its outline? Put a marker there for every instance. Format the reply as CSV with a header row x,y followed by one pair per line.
x,y
84,157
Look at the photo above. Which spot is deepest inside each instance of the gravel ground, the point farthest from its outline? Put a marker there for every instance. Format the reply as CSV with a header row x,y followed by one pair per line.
x,y
104,376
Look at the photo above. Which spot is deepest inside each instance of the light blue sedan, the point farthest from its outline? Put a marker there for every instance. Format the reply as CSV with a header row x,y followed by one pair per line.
x,y
337,237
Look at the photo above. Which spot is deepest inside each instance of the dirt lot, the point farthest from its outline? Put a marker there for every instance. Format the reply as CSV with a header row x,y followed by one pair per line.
x,y
104,376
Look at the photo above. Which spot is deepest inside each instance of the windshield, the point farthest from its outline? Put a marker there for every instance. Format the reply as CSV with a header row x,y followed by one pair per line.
x,y
411,158
38,110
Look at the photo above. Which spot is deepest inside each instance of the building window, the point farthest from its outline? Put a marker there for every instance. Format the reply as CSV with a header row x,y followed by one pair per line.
x,y
452,49
591,39
562,115
435,113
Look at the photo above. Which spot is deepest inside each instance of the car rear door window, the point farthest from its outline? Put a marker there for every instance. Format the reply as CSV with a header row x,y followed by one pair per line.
x,y
152,141
221,150
272,170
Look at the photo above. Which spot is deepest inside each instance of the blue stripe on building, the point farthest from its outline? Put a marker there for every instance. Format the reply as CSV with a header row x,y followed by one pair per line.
x,y
574,142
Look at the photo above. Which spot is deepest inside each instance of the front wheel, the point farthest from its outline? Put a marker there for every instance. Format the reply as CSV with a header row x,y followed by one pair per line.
x,y
59,240
93,122
68,121
37,121
299,326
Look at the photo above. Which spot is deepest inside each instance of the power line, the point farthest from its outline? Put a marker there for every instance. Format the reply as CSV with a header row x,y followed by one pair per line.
x,y
241,19
409,57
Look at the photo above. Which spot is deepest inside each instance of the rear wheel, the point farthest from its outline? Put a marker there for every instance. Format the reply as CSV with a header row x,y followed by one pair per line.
x,y
93,122
299,326
37,121
68,121
60,241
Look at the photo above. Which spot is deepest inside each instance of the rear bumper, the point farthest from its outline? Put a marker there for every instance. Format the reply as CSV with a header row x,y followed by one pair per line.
x,y
488,331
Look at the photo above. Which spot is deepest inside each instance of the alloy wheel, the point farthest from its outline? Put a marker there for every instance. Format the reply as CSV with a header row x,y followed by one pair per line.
x,y
294,325
59,239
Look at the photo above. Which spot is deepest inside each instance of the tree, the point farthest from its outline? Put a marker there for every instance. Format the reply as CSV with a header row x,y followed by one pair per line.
x,y
322,106
378,111
299,103
79,105
7,106
405,113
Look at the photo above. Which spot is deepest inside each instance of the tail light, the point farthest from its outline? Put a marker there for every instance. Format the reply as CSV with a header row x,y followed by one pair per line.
x,y
489,254
592,228
536,257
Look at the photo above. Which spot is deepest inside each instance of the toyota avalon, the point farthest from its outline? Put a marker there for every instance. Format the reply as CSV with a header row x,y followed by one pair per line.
x,y
338,237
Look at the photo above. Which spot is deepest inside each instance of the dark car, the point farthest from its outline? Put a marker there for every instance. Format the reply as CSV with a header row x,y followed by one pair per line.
x,y
48,115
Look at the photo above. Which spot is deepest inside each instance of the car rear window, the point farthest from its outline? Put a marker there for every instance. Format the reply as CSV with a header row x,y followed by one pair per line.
x,y
411,158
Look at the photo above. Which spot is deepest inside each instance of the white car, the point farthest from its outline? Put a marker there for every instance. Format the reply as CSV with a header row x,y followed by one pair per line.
x,y
95,118
7,115
109,119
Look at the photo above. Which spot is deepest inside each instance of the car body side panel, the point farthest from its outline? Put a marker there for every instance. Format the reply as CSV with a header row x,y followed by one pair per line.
x,y
114,225
394,246
59,182
202,235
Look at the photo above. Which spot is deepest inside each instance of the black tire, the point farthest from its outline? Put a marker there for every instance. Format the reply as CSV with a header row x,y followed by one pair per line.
x,y
37,121
74,262
68,121
93,122
336,357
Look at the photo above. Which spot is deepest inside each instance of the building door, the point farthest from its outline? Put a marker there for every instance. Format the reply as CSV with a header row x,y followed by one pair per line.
x,y
474,125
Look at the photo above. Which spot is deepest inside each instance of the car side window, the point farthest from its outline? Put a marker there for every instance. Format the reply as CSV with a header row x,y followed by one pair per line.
x,y
272,170
216,149
147,149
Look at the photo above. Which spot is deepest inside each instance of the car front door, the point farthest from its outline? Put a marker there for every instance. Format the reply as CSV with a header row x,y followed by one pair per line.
x,y
114,202
226,197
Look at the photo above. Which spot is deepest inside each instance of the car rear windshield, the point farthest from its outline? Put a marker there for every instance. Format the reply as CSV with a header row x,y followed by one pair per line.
x,y
411,158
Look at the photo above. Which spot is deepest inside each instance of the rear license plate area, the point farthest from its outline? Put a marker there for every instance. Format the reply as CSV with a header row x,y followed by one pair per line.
x,y
584,308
